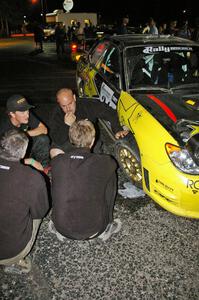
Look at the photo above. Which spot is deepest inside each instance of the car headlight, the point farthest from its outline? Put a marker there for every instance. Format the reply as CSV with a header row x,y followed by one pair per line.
x,y
182,159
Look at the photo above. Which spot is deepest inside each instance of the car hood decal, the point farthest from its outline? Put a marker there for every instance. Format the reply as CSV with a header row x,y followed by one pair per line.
x,y
165,108
171,110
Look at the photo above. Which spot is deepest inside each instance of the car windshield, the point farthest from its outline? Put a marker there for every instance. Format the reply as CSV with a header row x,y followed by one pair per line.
x,y
161,66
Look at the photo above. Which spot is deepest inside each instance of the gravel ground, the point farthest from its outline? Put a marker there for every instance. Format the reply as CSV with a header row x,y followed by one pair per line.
x,y
154,256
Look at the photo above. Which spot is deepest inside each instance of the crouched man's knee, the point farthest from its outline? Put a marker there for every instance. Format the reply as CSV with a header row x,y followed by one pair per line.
x,y
40,148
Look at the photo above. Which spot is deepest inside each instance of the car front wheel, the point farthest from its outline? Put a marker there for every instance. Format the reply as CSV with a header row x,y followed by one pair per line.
x,y
128,157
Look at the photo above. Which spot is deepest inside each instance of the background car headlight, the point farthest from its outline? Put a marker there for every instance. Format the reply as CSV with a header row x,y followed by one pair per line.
x,y
182,159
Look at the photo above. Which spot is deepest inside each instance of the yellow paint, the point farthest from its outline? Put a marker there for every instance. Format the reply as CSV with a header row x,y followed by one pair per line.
x,y
172,189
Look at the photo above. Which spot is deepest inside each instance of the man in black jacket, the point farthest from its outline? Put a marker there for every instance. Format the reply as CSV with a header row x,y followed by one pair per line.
x,y
83,189
60,36
19,116
68,110
23,203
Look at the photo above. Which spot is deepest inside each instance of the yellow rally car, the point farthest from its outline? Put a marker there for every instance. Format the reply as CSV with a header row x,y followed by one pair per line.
x,y
153,82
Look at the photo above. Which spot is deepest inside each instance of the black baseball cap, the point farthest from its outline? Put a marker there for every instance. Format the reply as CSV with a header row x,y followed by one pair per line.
x,y
17,103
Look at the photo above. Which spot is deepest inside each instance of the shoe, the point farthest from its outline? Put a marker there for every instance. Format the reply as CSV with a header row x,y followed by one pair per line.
x,y
111,228
22,267
52,229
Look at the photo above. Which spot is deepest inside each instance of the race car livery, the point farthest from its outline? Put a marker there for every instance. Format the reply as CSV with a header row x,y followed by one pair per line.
x,y
153,83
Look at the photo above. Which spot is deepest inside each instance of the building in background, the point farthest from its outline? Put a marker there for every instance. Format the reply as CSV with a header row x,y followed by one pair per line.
x,y
71,18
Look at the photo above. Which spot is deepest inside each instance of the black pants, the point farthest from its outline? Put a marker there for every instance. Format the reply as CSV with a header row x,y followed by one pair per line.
x,y
60,47
39,149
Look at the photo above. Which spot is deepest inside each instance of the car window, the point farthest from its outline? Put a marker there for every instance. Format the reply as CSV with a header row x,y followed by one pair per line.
x,y
98,52
110,66
161,65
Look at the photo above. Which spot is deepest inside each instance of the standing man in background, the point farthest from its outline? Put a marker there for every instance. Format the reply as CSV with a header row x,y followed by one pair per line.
x,y
60,36
122,29
38,37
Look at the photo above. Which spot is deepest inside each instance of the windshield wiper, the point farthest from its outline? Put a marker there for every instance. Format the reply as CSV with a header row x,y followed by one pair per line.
x,y
185,86
152,88
190,95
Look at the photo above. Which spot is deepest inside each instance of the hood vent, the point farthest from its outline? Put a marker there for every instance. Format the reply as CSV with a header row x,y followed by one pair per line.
x,y
191,103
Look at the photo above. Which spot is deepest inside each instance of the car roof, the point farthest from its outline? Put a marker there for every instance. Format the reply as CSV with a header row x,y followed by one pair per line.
x,y
126,40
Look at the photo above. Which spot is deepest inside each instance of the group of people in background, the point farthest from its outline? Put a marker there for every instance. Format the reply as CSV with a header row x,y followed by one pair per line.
x,y
79,32
183,29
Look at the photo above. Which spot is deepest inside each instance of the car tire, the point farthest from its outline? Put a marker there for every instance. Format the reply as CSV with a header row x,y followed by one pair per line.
x,y
128,157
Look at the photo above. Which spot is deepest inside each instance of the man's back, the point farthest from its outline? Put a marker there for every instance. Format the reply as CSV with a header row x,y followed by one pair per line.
x,y
23,197
82,181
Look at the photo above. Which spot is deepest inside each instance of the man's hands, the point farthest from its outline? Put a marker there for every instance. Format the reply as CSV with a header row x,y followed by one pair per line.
x,y
69,118
40,129
32,162
121,134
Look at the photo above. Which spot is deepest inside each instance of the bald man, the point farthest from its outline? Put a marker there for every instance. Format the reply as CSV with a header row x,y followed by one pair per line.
x,y
70,109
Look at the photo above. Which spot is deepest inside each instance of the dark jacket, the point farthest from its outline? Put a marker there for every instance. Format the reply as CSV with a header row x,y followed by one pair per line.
x,y
83,184
6,125
60,34
85,109
23,197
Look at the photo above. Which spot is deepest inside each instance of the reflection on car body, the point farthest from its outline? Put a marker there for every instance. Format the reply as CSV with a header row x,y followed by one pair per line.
x,y
153,82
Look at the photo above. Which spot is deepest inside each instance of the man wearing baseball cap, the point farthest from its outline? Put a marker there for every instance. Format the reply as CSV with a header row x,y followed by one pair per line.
x,y
20,117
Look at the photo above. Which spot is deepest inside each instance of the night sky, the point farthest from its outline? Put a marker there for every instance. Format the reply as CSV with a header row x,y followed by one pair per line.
x,y
138,11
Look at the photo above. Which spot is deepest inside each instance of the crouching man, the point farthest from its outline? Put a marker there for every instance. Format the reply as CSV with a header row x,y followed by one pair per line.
x,y
23,203
83,189
19,116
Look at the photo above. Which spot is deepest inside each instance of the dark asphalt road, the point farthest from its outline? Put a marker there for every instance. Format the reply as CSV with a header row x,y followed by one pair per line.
x,y
154,256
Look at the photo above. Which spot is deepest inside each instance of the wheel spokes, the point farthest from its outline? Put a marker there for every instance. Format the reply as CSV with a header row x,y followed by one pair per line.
x,y
130,164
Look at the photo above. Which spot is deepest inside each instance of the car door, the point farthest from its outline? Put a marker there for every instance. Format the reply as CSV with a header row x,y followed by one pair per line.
x,y
87,69
108,78
101,73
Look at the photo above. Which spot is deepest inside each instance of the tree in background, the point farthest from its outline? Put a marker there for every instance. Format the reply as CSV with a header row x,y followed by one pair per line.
x,y
11,15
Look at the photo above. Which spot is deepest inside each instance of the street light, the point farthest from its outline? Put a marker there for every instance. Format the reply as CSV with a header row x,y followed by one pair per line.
x,y
42,4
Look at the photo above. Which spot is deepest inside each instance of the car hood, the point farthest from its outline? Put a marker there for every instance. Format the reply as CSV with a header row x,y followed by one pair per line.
x,y
179,114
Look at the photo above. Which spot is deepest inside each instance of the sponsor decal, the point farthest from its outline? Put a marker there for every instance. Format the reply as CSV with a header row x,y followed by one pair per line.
x,y
4,167
22,100
193,185
77,157
165,185
106,96
151,49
